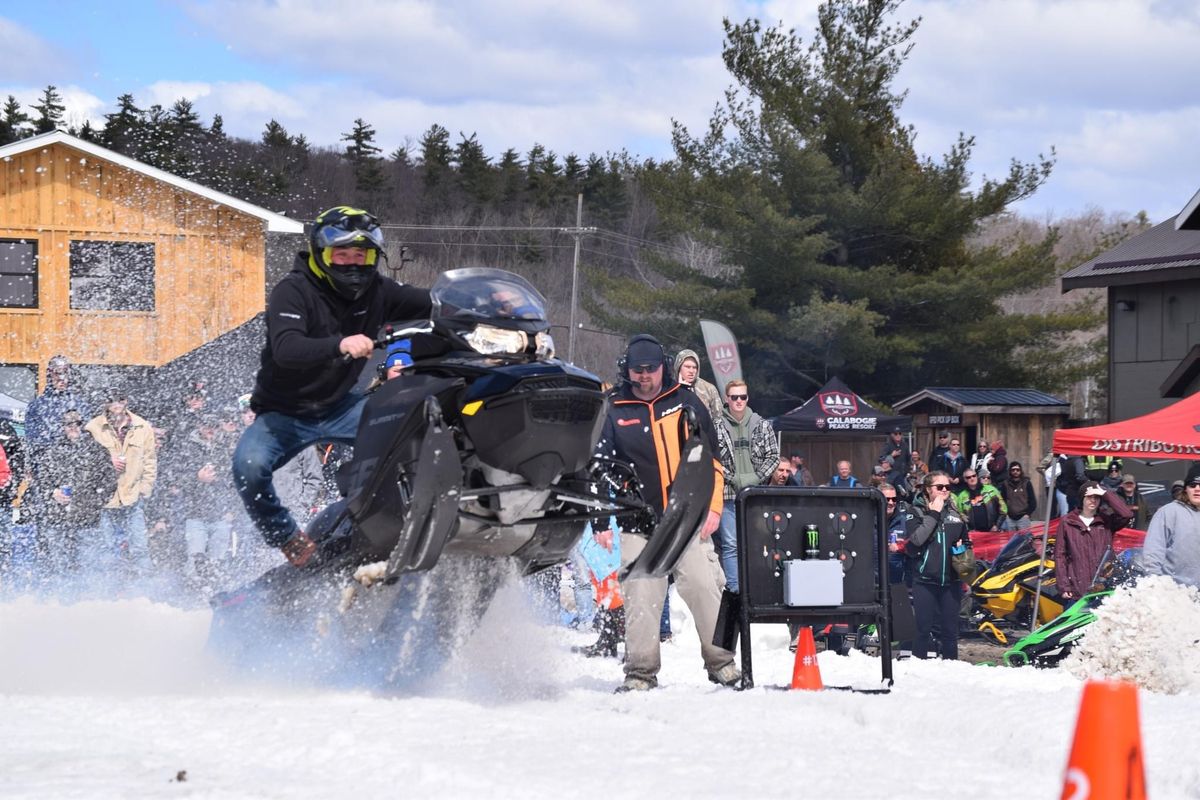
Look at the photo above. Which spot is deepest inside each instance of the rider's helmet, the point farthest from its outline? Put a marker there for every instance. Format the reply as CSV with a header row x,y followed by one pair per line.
x,y
343,226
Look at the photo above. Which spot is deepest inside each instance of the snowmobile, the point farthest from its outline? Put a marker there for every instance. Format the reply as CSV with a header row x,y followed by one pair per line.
x,y
478,463
1002,595
1052,642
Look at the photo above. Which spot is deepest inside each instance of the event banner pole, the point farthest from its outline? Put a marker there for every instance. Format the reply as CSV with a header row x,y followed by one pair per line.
x,y
722,353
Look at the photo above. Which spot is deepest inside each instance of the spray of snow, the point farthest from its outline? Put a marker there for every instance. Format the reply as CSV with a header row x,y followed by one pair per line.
x,y
1147,633
124,647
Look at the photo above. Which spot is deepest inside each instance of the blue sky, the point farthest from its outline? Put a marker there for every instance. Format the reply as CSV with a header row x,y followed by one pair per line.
x,y
1105,82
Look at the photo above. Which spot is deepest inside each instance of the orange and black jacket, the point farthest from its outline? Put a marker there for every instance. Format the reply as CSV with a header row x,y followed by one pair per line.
x,y
647,435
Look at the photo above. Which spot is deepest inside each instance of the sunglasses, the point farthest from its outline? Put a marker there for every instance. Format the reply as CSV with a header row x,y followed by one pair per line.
x,y
891,501
643,370
736,397
954,444
945,487
1193,485
972,475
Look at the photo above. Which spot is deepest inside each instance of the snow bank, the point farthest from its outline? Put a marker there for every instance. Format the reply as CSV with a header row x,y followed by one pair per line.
x,y
1146,633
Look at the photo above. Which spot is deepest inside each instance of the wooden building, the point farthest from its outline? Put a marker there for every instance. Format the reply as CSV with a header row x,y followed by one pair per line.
x,y
1024,419
115,263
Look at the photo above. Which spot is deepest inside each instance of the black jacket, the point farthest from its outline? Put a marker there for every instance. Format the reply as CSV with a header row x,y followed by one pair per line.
x,y
302,372
931,535
86,467
646,434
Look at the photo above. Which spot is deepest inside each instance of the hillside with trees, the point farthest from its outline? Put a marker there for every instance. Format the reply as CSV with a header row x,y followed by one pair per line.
x,y
803,217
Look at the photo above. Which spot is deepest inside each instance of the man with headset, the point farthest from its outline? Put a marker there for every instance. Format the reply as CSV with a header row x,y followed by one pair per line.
x,y
643,428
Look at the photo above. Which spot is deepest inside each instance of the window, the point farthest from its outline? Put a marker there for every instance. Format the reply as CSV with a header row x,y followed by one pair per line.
x,y
17,381
112,276
18,273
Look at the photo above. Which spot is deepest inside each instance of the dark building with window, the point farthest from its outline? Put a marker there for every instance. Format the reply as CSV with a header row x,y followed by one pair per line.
x,y
114,263
1153,285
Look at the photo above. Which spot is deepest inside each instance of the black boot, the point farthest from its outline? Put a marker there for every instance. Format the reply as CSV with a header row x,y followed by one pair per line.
x,y
612,632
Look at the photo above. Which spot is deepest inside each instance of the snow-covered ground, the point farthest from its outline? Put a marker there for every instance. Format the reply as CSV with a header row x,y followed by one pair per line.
x,y
118,699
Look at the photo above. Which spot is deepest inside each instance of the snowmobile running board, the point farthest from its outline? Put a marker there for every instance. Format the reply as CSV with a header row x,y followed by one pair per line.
x,y
432,513
687,506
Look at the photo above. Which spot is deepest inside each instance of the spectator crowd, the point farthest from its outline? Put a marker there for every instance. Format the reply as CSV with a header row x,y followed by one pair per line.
x,y
98,501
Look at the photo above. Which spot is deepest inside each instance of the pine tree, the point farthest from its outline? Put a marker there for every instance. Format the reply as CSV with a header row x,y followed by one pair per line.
x,y
436,155
49,111
122,128
187,137
13,121
363,154
474,172
847,252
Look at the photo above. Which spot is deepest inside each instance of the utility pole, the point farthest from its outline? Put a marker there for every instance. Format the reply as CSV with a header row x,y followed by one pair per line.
x,y
578,232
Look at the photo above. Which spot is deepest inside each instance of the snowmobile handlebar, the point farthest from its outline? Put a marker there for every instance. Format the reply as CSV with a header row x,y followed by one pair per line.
x,y
391,334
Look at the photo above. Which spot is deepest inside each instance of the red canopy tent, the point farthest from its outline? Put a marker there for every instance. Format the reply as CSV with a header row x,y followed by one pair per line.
x,y
1169,433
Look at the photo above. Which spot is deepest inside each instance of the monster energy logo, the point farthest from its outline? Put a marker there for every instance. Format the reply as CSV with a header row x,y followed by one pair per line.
x,y
813,535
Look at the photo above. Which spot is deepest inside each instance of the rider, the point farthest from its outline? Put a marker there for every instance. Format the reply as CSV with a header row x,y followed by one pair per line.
x,y
320,320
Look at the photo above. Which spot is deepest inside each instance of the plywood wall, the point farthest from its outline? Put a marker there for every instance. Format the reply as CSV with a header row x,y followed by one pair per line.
x,y
209,270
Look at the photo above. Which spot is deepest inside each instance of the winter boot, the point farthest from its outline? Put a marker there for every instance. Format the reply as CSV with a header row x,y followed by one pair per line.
x,y
612,633
633,684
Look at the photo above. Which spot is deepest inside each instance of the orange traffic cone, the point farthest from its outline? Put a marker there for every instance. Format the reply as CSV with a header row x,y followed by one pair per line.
x,y
806,674
1106,758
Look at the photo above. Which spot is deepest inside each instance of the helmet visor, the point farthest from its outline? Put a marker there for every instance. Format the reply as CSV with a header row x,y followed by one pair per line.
x,y
352,230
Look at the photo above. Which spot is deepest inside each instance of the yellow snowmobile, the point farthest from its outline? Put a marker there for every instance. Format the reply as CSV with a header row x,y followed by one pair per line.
x,y
1002,595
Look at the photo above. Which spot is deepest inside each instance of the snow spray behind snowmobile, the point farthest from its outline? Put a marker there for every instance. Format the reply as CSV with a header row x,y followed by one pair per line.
x,y
477,463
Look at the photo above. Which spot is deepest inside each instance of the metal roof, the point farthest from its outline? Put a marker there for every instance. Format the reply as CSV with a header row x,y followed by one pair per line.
x,y
275,222
964,397
1157,254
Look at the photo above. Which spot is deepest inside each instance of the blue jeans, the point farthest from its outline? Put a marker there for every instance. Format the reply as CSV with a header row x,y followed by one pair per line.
x,y
208,538
271,442
725,540
123,535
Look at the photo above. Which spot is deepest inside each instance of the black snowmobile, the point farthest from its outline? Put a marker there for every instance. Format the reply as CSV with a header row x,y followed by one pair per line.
x,y
476,464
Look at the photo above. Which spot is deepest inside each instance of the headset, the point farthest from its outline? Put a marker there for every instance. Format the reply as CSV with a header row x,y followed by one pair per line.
x,y
623,361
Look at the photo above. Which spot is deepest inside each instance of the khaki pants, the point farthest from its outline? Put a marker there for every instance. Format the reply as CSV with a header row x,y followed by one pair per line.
x,y
697,585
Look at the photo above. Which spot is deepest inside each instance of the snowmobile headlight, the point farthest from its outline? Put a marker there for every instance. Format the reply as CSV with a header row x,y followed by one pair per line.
x,y
545,345
488,340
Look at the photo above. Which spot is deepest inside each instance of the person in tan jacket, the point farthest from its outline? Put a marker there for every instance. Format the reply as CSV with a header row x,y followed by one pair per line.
x,y
130,442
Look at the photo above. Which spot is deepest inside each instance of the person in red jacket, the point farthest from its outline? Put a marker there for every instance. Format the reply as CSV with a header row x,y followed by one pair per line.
x,y
1084,537
5,471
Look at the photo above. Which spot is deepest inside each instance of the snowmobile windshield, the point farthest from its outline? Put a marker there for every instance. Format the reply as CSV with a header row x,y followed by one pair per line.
x,y
1017,551
483,293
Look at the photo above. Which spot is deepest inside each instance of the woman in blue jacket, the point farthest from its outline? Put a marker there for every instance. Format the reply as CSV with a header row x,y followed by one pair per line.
x,y
935,530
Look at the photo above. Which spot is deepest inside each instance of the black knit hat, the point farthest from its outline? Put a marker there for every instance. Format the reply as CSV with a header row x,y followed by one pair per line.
x,y
1193,474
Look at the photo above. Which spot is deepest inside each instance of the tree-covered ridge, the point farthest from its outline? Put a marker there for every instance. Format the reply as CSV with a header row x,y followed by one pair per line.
x,y
802,216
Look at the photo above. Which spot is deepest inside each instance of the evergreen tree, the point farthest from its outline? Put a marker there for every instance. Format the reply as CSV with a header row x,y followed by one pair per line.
x,y
510,177
49,111
122,128
13,121
217,129
474,172
436,155
363,155
847,251
187,138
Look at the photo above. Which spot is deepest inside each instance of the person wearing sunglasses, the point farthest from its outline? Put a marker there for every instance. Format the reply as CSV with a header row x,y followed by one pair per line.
x,y
751,455
979,503
935,529
1173,541
321,318
1020,499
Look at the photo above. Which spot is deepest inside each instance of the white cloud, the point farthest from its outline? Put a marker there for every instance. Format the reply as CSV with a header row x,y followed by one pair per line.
x,y
27,57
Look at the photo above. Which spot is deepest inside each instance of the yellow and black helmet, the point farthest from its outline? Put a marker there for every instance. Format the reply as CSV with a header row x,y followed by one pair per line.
x,y
343,226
